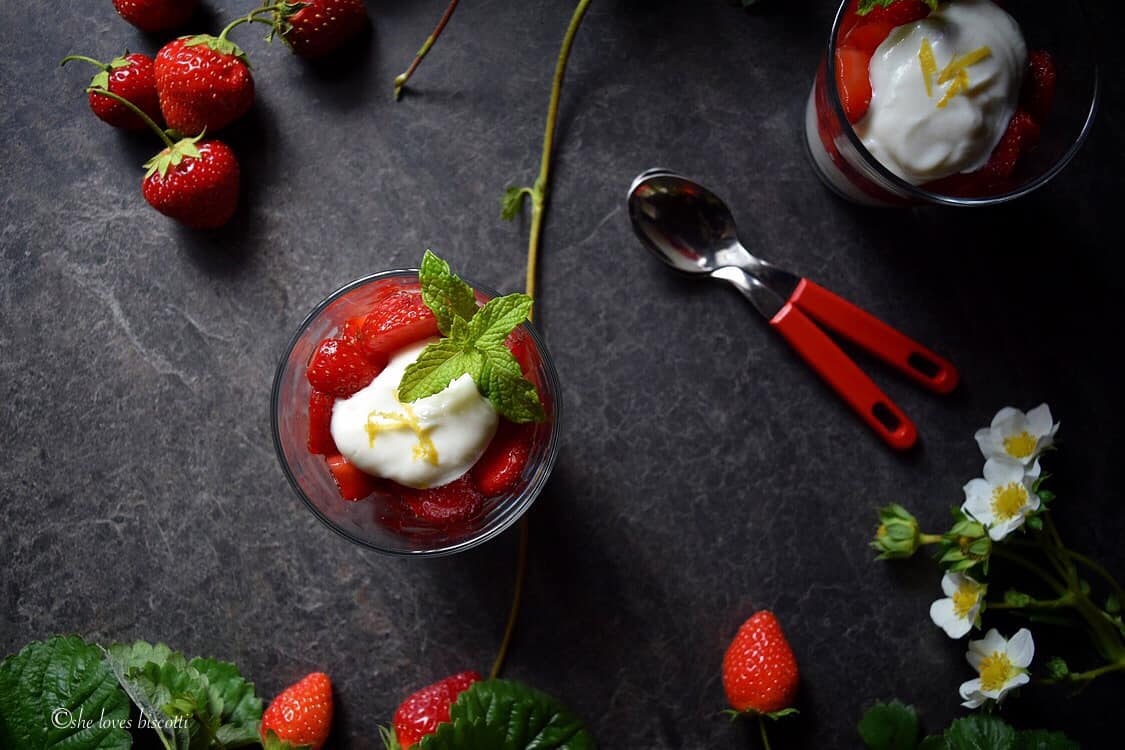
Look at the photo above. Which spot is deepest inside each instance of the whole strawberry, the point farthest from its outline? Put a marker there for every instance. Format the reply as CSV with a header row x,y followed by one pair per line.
x,y
420,714
302,714
194,183
204,83
156,15
131,77
759,670
320,27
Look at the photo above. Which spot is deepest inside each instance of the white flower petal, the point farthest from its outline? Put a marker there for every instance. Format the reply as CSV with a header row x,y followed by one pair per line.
x,y
1004,415
1001,529
945,617
1021,648
970,691
1021,679
950,582
1001,471
991,642
1031,473
1039,421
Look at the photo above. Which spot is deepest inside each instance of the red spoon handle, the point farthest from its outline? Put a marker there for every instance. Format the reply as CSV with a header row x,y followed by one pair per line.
x,y
840,372
864,329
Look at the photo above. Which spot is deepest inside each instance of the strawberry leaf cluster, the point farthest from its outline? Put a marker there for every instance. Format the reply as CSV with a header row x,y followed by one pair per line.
x,y
895,726
66,691
473,344
507,715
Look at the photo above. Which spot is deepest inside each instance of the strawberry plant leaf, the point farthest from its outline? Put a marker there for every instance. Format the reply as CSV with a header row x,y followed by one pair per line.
x,y
241,708
445,293
1041,739
506,715
50,688
980,732
890,726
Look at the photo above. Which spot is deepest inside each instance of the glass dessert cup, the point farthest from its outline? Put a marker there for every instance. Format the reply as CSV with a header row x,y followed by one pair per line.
x,y
847,168
377,522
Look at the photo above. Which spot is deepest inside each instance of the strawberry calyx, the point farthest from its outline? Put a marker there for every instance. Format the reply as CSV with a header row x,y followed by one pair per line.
x,y
390,741
173,155
101,78
272,742
219,44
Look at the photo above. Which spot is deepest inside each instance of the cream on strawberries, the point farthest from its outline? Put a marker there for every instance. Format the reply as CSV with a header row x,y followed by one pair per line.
x,y
943,90
430,442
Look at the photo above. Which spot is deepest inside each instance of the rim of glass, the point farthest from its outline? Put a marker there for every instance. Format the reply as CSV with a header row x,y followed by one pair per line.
x,y
915,191
522,503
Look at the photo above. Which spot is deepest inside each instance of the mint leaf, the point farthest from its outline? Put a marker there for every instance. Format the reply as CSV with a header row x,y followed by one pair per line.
x,y
49,685
866,6
474,345
439,365
890,726
980,732
498,318
506,715
445,293
1041,739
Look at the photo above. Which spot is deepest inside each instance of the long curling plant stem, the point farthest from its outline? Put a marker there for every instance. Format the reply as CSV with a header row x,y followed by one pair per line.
x,y
135,110
542,183
401,80
517,597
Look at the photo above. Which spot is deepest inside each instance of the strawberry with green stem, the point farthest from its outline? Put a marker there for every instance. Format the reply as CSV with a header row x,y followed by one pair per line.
x,y
315,28
204,81
760,675
193,181
156,15
301,715
130,76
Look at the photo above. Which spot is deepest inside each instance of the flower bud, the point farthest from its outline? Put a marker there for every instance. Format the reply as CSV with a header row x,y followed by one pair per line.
x,y
898,534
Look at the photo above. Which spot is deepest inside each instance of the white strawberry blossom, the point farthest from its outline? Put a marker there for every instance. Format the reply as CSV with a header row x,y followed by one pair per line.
x,y
959,611
1019,437
1002,500
1001,665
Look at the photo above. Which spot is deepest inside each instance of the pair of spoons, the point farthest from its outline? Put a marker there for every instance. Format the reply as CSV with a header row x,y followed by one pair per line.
x,y
692,230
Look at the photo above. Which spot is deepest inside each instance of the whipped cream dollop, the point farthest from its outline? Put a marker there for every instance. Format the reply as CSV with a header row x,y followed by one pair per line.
x,y
423,444
943,90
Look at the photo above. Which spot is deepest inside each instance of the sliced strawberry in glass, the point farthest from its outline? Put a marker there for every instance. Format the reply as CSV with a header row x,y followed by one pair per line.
x,y
449,504
320,424
340,367
501,466
853,82
1039,84
866,37
398,320
351,481
896,14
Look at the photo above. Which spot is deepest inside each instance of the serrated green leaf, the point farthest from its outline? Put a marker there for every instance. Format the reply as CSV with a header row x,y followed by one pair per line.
x,y
890,726
241,707
445,293
1041,739
511,394
49,685
437,366
980,732
498,318
506,715
933,742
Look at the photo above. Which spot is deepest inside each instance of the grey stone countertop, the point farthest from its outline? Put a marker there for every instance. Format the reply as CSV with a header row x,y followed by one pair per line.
x,y
705,472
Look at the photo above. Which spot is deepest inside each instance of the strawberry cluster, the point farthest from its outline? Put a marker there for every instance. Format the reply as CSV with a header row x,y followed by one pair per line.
x,y
349,360
196,86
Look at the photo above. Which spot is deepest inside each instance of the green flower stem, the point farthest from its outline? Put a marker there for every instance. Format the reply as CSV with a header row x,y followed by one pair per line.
x,y
542,183
762,729
85,59
517,597
929,539
1047,578
1092,674
251,17
401,80
135,110
1101,571
1066,600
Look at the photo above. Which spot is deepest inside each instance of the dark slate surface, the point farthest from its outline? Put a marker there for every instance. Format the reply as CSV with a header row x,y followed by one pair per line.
x,y
705,472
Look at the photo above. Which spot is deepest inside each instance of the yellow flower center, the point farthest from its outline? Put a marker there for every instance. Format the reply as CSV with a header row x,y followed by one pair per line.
x,y
995,671
424,450
1021,445
965,598
1008,501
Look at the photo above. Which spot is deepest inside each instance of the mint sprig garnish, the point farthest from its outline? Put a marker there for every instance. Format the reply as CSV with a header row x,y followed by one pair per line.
x,y
473,345
866,6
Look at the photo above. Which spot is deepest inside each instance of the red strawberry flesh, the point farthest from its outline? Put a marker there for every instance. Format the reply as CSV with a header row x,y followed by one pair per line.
x,y
399,319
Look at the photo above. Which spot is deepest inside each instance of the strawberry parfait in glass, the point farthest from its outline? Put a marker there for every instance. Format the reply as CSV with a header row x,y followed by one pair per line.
x,y
415,414
948,102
